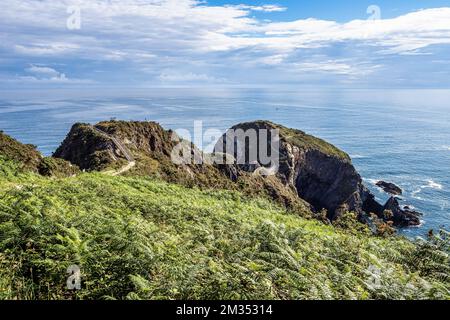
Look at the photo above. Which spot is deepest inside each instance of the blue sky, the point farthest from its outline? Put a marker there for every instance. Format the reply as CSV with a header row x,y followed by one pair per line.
x,y
341,11
170,43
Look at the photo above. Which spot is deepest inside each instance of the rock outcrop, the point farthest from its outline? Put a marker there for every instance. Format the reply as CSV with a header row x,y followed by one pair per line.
x,y
402,217
390,188
320,173
87,149
111,144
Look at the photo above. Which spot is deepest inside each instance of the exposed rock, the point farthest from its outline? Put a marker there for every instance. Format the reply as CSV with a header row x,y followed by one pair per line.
x,y
310,172
319,172
402,218
151,146
370,205
110,144
88,149
390,188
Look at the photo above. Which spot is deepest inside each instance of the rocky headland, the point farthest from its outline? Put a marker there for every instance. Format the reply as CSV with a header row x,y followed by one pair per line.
x,y
313,178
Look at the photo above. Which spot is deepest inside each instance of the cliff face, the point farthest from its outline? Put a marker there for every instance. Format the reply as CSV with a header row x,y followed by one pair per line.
x,y
327,182
87,149
320,174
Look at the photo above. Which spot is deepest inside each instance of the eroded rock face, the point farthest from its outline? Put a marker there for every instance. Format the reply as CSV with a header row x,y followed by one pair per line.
x,y
320,173
86,148
402,217
328,182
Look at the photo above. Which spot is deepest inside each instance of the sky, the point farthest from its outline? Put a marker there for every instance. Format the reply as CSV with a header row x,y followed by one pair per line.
x,y
220,43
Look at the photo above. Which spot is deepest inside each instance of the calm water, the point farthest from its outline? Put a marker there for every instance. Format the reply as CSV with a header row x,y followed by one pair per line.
x,y
398,136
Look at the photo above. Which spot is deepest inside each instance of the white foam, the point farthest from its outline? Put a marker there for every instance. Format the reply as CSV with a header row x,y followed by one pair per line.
x,y
432,185
357,156
414,194
372,181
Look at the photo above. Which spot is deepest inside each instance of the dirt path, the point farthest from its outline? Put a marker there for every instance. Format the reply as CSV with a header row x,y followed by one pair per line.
x,y
122,148
124,169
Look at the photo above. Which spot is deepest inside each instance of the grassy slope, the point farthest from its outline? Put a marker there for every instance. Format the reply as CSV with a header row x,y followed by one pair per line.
x,y
31,160
141,238
25,154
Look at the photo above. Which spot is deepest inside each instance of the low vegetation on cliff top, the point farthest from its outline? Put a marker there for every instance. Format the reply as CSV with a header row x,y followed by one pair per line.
x,y
140,238
28,158
301,139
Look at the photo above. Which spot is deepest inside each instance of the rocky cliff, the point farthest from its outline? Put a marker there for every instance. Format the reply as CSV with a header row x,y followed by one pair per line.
x,y
320,173
150,146
311,175
111,144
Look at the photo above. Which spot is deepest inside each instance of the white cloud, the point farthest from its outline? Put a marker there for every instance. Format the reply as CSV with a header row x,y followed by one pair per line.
x,y
275,59
152,36
263,8
336,67
45,49
33,79
220,27
46,75
43,71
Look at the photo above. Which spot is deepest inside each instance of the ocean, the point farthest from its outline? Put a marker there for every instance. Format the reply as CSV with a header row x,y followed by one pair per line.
x,y
400,136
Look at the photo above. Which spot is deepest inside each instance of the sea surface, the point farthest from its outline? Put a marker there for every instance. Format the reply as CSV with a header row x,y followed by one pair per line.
x,y
400,136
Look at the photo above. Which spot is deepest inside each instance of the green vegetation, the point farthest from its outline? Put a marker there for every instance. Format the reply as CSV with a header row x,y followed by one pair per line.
x,y
28,158
25,154
57,168
301,139
151,147
141,238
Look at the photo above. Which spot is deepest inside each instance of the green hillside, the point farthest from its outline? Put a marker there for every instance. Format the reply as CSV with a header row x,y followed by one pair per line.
x,y
135,237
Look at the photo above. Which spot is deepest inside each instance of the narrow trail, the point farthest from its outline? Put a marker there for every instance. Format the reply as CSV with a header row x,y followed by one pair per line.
x,y
122,148
124,169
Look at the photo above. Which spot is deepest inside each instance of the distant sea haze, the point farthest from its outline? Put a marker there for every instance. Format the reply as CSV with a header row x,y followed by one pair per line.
x,y
399,136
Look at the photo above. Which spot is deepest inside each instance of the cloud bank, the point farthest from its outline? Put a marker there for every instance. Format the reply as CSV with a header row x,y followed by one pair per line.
x,y
164,42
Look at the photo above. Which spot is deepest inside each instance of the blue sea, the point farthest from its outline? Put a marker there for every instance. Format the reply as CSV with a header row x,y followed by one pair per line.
x,y
400,136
